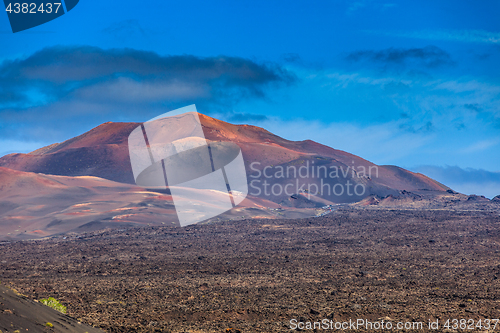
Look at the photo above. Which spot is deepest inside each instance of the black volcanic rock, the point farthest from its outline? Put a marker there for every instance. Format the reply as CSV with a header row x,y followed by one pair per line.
x,y
474,197
260,272
496,199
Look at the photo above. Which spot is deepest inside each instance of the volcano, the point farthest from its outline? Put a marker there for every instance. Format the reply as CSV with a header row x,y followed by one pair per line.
x,y
103,152
86,183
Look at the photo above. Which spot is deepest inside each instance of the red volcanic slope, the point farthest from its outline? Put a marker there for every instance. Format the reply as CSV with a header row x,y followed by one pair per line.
x,y
260,145
103,152
100,152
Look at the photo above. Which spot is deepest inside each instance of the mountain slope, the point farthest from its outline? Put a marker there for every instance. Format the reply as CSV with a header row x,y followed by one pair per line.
x,y
100,152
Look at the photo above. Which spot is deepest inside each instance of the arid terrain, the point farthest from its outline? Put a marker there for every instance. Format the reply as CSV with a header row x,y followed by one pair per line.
x,y
256,275
73,226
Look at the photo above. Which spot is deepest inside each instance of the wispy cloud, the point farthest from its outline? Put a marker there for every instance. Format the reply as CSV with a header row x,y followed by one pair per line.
x,y
389,118
125,30
426,57
242,117
426,103
464,180
481,145
355,5
467,36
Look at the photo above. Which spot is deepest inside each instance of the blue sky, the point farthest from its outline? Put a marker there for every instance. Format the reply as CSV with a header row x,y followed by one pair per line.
x,y
413,83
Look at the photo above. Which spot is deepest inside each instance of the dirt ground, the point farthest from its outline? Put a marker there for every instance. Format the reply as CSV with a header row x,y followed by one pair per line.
x,y
258,275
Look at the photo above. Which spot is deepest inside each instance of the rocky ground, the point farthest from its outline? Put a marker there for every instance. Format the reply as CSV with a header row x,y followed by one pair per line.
x,y
257,275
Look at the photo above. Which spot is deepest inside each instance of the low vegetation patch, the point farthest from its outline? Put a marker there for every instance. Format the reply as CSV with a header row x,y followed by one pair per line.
x,y
54,304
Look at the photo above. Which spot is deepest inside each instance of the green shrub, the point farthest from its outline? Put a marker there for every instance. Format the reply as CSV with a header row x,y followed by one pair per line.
x,y
49,325
54,304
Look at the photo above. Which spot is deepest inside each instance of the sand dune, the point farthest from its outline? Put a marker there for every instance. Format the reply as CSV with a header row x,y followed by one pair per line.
x,y
36,205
